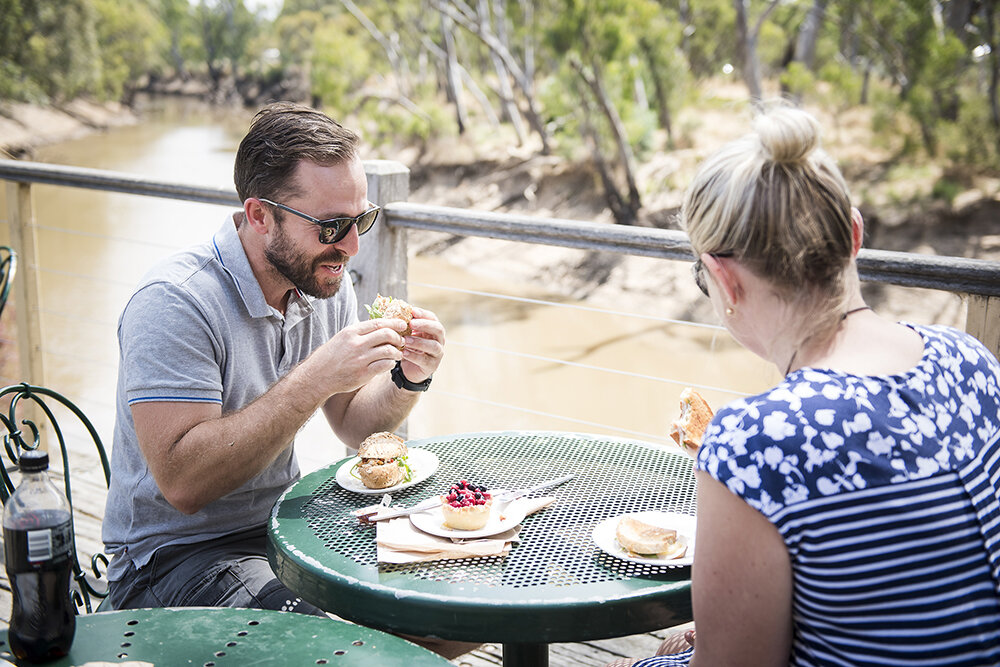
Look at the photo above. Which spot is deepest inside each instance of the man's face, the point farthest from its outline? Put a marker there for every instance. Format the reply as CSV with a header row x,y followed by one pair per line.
x,y
294,249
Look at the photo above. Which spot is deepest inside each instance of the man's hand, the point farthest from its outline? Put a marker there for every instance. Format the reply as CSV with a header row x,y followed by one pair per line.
x,y
357,354
424,348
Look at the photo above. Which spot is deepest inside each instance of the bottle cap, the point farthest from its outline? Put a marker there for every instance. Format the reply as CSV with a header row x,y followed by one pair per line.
x,y
33,460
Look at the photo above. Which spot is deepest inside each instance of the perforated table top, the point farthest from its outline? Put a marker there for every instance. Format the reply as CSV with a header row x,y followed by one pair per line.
x,y
238,637
555,586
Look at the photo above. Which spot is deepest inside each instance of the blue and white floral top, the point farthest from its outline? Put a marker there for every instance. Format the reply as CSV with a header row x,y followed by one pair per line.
x,y
885,490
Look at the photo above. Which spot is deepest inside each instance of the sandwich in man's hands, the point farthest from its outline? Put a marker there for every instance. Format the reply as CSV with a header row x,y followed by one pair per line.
x,y
688,429
387,306
382,461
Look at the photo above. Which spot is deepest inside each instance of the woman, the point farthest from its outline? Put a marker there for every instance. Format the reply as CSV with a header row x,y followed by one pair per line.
x,y
849,515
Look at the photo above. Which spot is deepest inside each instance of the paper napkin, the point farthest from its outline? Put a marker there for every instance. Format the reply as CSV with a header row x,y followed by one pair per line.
x,y
397,541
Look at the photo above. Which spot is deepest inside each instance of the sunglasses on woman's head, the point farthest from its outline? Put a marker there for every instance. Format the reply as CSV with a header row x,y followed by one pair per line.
x,y
335,229
698,269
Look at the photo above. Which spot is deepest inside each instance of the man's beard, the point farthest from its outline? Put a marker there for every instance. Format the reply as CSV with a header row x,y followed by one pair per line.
x,y
299,270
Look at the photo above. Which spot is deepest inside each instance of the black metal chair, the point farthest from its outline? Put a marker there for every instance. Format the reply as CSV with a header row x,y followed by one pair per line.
x,y
15,421
8,267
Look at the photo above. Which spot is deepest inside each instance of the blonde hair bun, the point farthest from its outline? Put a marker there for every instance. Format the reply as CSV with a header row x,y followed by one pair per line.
x,y
787,135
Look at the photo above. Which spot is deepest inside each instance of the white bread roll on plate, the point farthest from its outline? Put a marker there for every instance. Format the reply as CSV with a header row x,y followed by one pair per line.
x,y
383,461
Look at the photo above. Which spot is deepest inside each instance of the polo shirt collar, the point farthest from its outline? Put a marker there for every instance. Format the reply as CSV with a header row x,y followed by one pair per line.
x,y
229,251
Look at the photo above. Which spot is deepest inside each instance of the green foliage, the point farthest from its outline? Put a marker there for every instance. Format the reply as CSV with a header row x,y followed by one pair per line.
x,y
132,40
225,27
48,50
972,139
925,93
708,42
946,189
798,79
340,63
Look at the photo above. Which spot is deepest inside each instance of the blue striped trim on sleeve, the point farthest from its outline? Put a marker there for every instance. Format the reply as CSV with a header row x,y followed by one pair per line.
x,y
175,399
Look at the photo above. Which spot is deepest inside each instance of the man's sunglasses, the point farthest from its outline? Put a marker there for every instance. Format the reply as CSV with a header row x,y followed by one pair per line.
x,y
699,271
335,229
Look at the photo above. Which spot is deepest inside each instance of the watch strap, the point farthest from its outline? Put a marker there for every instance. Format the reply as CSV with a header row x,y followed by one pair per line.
x,y
400,380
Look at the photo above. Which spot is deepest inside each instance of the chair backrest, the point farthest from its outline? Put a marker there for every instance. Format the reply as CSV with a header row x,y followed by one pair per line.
x,y
29,402
8,267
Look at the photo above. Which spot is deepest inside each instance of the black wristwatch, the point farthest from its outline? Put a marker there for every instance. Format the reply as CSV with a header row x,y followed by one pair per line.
x,y
400,380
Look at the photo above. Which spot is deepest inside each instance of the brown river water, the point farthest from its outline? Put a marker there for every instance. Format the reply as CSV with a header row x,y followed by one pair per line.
x,y
511,363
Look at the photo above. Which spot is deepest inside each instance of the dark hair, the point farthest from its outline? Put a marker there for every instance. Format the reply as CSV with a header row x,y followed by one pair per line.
x,y
280,136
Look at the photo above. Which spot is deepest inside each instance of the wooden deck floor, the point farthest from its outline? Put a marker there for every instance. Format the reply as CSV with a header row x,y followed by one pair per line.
x,y
89,492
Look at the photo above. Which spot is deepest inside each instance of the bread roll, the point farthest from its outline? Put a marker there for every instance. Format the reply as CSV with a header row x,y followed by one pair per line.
x,y
383,457
387,306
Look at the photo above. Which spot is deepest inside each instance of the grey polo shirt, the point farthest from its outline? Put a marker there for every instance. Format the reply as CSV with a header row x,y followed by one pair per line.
x,y
198,330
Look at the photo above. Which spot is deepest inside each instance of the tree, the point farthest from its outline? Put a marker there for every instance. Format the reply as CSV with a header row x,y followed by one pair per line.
x,y
226,27
49,51
465,16
747,38
131,38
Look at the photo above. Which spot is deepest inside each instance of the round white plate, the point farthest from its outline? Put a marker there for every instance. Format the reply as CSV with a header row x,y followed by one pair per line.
x,y
432,521
422,462
604,537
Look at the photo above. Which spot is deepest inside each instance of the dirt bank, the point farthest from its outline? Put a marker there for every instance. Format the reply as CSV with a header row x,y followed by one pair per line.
x,y
900,213
24,127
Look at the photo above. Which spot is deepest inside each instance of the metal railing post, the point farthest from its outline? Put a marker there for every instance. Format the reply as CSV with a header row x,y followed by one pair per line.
x,y
982,320
21,213
381,263
26,289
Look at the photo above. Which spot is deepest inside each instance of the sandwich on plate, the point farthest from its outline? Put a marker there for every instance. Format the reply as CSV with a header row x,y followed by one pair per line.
x,y
382,461
643,537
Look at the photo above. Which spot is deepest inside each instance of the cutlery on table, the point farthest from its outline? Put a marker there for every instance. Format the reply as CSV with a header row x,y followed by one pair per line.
x,y
501,500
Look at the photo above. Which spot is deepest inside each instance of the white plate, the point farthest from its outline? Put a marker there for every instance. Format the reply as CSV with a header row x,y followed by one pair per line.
x,y
604,537
432,521
422,462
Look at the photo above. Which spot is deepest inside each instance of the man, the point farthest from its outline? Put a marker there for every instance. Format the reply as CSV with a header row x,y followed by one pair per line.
x,y
227,349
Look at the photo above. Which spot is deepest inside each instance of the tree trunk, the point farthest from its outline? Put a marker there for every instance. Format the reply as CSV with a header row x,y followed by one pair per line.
x,y
451,69
396,60
748,44
490,40
660,89
993,61
805,45
748,51
958,14
684,12
619,211
596,85
528,12
509,107
467,78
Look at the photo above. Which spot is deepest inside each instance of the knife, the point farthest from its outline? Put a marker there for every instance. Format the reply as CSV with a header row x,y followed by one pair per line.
x,y
500,500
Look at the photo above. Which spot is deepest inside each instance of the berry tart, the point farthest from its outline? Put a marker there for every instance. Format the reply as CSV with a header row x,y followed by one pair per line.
x,y
466,506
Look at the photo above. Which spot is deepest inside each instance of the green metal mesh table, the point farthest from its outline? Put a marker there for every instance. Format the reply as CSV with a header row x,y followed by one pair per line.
x,y
555,586
239,637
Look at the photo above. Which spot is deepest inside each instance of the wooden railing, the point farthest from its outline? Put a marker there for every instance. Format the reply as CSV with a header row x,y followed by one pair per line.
x,y
382,264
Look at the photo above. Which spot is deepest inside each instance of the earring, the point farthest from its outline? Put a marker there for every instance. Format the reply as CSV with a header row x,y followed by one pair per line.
x,y
730,311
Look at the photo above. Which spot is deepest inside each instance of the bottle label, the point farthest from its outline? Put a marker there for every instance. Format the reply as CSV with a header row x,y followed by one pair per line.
x,y
27,549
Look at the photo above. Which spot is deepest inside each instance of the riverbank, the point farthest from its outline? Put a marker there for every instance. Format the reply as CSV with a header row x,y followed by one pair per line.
x,y
482,171
25,127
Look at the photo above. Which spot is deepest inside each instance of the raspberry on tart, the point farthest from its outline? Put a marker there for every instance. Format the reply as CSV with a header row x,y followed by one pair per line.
x,y
466,506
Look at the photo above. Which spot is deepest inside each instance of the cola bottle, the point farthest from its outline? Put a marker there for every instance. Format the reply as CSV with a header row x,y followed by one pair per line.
x,y
38,548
